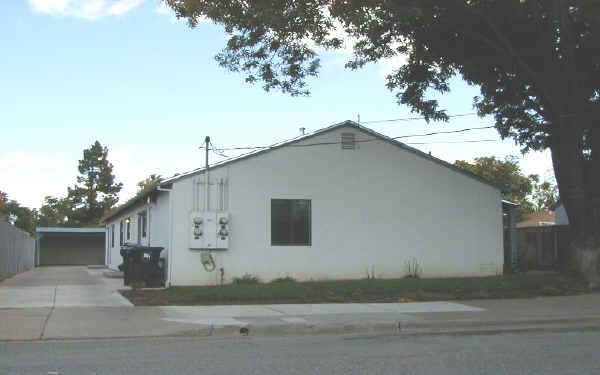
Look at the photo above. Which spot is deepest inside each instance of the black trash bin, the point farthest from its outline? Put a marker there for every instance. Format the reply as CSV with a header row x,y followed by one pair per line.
x,y
141,265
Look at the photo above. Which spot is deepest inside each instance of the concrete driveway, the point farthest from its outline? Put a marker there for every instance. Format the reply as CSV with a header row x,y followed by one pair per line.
x,y
61,287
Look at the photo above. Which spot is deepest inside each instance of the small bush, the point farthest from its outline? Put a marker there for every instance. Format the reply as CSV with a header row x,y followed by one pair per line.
x,y
246,279
287,279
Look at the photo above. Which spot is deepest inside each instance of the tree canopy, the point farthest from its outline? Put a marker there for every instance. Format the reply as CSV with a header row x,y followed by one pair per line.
x,y
20,216
55,212
148,182
3,201
97,190
531,194
536,62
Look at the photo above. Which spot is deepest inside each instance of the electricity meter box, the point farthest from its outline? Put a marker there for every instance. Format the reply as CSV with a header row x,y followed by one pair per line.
x,y
209,230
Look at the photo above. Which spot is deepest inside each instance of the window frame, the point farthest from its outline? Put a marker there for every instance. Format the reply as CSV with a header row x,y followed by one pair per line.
x,y
121,232
112,235
144,223
291,226
128,228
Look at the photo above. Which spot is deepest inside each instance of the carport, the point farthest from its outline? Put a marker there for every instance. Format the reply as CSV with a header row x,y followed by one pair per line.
x,y
69,246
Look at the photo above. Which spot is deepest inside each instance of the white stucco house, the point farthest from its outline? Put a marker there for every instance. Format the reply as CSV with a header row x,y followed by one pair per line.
x,y
334,204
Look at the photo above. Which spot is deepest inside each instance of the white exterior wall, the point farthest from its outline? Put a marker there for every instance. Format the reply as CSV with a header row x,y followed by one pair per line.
x,y
376,207
113,258
158,220
157,233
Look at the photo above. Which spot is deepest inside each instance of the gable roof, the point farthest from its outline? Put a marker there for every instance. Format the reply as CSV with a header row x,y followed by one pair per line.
x,y
292,142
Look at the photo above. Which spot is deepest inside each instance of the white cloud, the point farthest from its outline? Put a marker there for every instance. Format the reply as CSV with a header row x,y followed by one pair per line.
x,y
86,9
123,6
343,54
165,10
28,178
387,66
539,163
129,170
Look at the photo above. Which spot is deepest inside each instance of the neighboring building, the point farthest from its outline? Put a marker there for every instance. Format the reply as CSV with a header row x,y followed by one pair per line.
x,y
69,246
334,204
538,219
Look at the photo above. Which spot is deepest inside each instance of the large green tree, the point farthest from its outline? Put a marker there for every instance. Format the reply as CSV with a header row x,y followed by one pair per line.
x,y
3,201
536,62
55,212
96,191
20,216
544,195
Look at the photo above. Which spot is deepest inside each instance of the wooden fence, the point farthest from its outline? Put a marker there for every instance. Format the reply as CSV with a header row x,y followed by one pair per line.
x,y
17,250
543,247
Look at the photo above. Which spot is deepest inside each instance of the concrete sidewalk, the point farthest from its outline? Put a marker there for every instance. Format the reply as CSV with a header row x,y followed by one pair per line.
x,y
79,303
85,322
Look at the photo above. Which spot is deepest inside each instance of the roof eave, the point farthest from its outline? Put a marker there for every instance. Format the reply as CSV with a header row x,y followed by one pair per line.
x,y
132,202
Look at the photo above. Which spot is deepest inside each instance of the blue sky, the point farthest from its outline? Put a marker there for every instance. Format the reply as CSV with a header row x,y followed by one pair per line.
x,y
126,73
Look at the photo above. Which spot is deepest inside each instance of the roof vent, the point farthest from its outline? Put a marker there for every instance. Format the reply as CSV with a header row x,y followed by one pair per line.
x,y
348,141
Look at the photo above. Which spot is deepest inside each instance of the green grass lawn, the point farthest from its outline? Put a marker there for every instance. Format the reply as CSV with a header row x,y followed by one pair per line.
x,y
372,290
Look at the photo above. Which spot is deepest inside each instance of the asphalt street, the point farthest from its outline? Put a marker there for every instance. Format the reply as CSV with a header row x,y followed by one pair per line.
x,y
523,353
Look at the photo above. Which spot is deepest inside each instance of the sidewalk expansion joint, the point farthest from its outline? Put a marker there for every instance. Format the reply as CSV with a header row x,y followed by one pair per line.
x,y
274,309
49,314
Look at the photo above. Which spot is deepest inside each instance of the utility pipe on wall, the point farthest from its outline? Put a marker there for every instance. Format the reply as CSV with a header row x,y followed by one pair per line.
x,y
206,176
170,240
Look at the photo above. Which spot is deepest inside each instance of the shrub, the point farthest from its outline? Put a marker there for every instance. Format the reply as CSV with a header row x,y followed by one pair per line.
x,y
246,279
286,279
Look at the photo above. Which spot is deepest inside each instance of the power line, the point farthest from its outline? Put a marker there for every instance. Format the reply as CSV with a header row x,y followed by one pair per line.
x,y
444,132
415,118
467,141
221,150
218,151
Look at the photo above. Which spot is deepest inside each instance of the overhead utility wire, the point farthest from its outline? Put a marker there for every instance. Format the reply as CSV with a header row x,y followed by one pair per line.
x,y
218,151
414,118
221,150
449,116
467,141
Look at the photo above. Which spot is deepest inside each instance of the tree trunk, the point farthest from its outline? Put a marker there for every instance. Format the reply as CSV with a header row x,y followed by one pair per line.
x,y
567,158
593,178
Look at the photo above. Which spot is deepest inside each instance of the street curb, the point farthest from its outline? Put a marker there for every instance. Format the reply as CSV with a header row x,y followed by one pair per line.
x,y
96,267
399,328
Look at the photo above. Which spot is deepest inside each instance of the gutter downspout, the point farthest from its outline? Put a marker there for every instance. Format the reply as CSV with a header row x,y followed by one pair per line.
x,y
148,221
170,226
36,261
206,177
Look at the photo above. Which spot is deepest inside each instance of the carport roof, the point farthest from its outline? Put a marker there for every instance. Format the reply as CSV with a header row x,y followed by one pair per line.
x,y
68,230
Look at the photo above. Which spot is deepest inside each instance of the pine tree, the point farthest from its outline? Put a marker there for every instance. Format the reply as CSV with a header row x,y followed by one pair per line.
x,y
96,191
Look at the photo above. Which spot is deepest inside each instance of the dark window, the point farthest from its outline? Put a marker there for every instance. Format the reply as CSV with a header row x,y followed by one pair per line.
x,y
112,235
121,233
128,221
144,224
290,222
